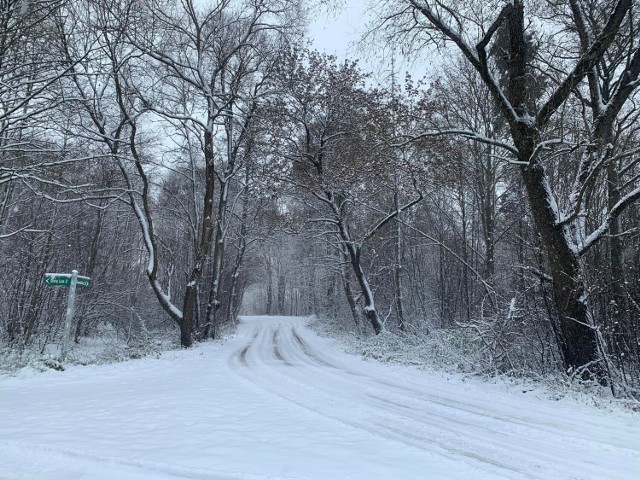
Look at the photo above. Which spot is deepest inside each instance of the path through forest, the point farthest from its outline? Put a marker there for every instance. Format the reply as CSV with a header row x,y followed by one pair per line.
x,y
278,402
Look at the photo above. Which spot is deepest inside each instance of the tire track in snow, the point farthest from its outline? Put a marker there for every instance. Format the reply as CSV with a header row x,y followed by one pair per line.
x,y
276,347
524,441
421,443
452,404
261,348
413,414
403,389
241,354
311,354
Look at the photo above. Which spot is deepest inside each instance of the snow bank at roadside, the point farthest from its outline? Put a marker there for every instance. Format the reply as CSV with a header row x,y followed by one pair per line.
x,y
452,352
96,350
442,349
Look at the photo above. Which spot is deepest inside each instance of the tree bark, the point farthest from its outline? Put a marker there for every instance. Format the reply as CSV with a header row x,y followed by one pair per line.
x,y
370,311
186,323
269,306
616,256
398,268
241,248
354,254
216,269
578,342
282,290
347,288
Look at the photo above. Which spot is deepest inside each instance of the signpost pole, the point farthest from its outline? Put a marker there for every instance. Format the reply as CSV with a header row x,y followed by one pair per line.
x,y
69,318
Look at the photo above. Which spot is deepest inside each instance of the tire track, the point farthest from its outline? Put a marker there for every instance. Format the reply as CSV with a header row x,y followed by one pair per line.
x,y
425,396
308,351
241,355
524,426
455,427
276,348
389,433
379,429
506,434
506,446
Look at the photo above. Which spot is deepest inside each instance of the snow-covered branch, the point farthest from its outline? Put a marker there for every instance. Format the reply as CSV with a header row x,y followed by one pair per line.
x,y
611,215
468,134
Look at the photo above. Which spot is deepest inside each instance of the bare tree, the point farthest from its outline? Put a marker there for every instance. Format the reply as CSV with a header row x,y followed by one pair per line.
x,y
330,135
528,119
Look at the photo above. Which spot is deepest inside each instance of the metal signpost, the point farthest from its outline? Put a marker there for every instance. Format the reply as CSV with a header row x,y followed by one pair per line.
x,y
71,280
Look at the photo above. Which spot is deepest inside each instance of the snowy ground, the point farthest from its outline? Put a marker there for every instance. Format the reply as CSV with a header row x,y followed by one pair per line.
x,y
277,402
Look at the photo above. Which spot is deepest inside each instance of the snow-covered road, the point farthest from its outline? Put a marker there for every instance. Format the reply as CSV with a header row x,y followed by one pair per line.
x,y
278,402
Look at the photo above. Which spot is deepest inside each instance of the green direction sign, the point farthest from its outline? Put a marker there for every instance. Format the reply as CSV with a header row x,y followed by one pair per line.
x,y
64,280
58,281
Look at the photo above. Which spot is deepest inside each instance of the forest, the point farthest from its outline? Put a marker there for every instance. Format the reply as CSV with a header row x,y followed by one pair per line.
x,y
198,160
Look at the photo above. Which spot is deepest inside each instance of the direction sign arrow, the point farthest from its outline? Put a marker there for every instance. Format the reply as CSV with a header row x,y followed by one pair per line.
x,y
57,280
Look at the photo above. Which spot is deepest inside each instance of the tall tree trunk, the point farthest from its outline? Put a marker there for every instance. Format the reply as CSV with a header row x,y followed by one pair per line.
x,y
617,277
445,318
91,267
186,323
354,252
465,312
217,265
398,257
282,290
370,311
242,246
520,246
578,342
269,287
348,292
313,292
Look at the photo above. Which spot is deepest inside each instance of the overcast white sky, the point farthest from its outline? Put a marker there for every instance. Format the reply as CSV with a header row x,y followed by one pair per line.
x,y
340,32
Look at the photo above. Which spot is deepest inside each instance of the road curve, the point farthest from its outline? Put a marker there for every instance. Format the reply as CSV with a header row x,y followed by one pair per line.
x,y
503,437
